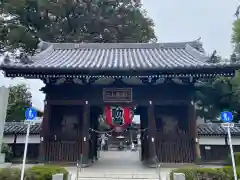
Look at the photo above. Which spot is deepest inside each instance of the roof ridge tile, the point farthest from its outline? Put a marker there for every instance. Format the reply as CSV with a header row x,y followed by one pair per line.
x,y
60,46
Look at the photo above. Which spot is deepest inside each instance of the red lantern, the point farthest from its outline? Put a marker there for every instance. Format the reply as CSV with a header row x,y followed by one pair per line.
x,y
117,116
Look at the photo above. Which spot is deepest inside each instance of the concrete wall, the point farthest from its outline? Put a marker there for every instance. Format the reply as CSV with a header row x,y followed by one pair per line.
x,y
4,93
217,140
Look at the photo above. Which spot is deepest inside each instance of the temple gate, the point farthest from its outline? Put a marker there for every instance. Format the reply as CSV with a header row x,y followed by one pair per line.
x,y
82,79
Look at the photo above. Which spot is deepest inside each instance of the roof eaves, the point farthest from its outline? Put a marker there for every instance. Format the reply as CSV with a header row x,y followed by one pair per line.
x,y
43,54
196,54
93,71
39,56
212,134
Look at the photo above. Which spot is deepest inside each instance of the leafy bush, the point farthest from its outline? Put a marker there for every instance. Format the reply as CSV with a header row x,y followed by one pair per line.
x,y
7,150
10,174
237,158
202,174
229,160
44,172
229,170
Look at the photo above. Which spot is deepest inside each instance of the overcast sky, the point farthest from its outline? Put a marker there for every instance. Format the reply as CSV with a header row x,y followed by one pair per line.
x,y
176,20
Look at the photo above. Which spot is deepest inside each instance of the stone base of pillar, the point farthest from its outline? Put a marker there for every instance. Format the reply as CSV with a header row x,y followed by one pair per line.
x,y
2,158
152,162
179,176
41,159
86,161
2,161
41,155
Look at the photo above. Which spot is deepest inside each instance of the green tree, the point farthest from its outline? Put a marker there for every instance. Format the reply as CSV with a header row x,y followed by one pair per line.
x,y
236,40
100,21
7,150
19,99
218,95
221,93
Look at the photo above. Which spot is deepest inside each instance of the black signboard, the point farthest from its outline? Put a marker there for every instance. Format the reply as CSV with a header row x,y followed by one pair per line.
x,y
117,94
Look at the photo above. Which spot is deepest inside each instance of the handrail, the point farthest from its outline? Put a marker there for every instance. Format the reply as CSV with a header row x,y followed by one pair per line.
x,y
77,174
158,169
79,167
81,162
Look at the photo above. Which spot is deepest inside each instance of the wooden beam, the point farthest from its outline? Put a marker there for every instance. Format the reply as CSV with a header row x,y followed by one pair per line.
x,y
66,102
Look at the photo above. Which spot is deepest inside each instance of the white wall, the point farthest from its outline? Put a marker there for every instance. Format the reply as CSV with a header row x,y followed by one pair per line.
x,y
9,139
235,141
33,139
200,120
4,93
211,140
216,140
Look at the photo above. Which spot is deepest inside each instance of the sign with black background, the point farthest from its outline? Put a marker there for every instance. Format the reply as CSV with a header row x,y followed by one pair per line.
x,y
117,94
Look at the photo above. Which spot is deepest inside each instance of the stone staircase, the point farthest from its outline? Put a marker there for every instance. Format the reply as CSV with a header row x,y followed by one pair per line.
x,y
122,165
123,176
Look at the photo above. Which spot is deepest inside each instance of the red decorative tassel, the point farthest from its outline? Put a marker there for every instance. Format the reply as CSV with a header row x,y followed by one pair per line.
x,y
126,116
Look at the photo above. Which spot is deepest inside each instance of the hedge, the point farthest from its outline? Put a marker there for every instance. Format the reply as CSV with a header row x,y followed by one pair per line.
x,y
44,172
34,173
202,174
10,174
229,170
237,158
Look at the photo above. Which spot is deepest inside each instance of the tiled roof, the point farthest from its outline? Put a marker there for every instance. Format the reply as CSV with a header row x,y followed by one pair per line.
x,y
119,56
203,129
20,128
216,130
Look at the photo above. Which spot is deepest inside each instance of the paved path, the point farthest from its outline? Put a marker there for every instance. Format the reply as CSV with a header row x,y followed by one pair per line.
x,y
119,165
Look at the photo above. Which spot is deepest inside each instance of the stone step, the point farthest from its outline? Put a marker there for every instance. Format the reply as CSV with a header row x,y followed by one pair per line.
x,y
121,177
117,176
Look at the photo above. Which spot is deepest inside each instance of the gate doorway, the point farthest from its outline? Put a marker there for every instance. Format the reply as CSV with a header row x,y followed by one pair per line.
x,y
120,148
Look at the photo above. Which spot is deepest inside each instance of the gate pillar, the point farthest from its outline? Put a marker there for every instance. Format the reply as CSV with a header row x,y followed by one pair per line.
x,y
152,158
44,132
85,134
194,131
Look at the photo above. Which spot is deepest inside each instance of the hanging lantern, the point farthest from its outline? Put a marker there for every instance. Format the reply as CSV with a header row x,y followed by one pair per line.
x,y
117,116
